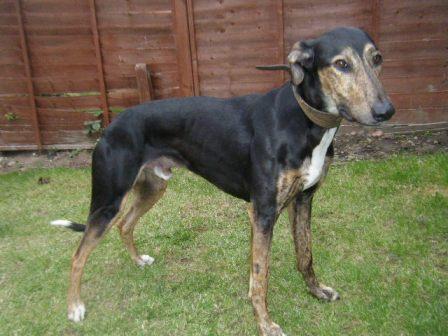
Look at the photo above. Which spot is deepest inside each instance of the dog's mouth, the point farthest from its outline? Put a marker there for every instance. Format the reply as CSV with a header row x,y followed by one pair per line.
x,y
344,113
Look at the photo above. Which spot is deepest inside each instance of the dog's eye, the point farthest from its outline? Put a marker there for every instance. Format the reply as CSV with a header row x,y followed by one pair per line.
x,y
341,64
377,59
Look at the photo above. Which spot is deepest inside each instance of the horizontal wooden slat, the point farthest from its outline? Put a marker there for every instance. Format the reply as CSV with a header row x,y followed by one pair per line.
x,y
73,102
13,86
410,85
60,84
65,137
55,6
132,6
420,100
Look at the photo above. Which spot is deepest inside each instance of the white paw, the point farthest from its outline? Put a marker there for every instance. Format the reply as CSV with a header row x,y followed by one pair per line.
x,y
76,312
145,260
325,293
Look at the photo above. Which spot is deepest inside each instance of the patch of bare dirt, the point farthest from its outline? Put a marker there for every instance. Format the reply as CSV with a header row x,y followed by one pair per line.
x,y
357,145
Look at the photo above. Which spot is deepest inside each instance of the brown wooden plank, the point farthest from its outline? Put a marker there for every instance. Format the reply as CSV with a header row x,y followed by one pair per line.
x,y
182,40
61,20
56,7
13,86
8,19
7,7
137,41
65,84
57,31
73,102
133,57
422,100
75,71
146,20
281,37
410,85
193,48
144,84
132,6
29,81
406,67
416,50
65,137
99,58
414,31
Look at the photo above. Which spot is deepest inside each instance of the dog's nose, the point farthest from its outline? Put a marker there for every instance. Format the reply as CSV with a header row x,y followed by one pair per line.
x,y
383,110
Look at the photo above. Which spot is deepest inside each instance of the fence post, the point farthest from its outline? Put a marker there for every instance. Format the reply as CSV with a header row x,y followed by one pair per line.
x,y
29,78
144,83
375,24
194,53
99,63
183,47
281,37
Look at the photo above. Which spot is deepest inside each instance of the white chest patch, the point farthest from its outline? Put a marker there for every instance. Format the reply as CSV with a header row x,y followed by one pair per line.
x,y
314,170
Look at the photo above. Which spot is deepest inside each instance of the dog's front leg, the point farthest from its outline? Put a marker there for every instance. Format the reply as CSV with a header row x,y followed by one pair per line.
x,y
262,228
300,217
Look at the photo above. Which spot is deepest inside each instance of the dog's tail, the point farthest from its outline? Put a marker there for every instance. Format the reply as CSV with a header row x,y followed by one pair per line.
x,y
69,225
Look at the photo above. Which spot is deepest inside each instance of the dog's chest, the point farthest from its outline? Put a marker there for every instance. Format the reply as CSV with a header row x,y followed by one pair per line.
x,y
291,181
313,171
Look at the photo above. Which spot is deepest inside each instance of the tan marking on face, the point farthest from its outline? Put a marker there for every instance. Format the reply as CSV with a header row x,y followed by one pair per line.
x,y
357,89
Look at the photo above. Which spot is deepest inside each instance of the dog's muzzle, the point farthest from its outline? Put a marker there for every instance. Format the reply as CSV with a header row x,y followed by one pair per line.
x,y
382,111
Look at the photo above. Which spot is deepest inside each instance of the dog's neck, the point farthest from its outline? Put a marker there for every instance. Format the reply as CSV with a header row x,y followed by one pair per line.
x,y
309,100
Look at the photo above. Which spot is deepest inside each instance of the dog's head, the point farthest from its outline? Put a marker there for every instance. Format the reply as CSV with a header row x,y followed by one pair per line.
x,y
343,66
339,71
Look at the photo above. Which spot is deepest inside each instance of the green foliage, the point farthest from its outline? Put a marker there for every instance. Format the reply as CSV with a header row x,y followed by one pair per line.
x,y
92,126
11,116
380,238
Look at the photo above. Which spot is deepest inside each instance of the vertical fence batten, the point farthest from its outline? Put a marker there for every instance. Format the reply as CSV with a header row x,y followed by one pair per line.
x,y
281,36
183,46
99,62
144,83
193,50
375,24
29,78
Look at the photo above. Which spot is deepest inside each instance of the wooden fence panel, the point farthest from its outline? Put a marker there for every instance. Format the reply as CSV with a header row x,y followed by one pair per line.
x,y
414,39
231,38
132,32
17,122
82,56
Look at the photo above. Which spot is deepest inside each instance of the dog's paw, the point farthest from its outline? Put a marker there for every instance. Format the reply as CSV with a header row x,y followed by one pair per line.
x,y
76,312
272,329
325,293
145,260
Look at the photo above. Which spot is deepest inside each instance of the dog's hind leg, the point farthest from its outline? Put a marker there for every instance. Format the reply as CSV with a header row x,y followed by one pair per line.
x,y
300,217
114,171
99,223
147,190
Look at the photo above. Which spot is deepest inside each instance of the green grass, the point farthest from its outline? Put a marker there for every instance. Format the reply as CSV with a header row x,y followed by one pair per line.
x,y
380,238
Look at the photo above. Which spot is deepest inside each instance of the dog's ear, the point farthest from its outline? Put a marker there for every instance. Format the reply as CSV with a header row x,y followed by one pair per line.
x,y
300,57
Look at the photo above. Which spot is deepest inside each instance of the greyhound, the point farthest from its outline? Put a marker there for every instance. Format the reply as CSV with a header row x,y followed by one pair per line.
x,y
272,150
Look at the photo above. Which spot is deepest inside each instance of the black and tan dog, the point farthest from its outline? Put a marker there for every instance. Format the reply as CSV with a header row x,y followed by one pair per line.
x,y
271,150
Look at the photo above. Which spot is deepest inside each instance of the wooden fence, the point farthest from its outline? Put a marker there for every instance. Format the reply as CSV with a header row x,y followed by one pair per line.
x,y
65,63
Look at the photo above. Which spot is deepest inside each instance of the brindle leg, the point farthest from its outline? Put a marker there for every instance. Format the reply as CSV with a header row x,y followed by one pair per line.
x,y
146,192
99,223
300,218
262,229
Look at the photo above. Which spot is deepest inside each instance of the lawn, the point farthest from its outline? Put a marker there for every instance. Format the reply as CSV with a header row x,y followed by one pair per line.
x,y
380,238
